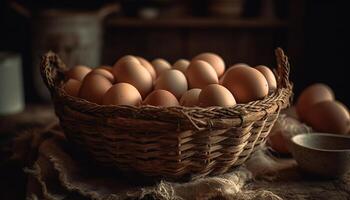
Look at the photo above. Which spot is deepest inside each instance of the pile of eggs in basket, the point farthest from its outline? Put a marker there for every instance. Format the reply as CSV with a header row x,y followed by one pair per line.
x,y
202,81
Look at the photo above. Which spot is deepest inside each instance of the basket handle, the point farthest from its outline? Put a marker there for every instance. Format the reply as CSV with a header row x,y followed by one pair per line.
x,y
52,70
283,69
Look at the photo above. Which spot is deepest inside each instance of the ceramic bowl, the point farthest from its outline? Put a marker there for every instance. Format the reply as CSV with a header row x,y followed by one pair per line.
x,y
322,154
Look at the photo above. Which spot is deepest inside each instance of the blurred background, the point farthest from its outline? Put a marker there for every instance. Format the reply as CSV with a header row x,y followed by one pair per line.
x,y
94,32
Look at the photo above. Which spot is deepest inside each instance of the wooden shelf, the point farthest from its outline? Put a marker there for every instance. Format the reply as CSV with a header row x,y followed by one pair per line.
x,y
195,23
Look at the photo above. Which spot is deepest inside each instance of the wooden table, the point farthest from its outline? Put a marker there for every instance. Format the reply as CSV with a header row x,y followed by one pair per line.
x,y
291,184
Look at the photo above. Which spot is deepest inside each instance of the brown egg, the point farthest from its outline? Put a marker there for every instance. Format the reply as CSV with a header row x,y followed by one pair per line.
x,y
283,129
246,84
181,65
239,65
221,79
93,87
200,74
311,95
160,65
106,67
173,81
233,66
148,66
122,94
135,74
278,142
103,72
72,87
190,97
128,58
161,98
216,95
78,72
214,60
270,77
328,117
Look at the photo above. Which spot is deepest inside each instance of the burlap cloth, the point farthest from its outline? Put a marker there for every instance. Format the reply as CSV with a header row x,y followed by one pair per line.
x,y
54,174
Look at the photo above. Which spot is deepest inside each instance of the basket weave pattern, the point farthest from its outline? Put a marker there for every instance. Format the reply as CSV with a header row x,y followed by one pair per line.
x,y
171,142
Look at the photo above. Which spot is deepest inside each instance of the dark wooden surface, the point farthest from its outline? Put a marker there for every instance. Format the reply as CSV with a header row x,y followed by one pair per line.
x,y
292,184
12,178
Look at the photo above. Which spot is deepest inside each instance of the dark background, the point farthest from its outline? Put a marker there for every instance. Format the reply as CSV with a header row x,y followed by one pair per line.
x,y
313,34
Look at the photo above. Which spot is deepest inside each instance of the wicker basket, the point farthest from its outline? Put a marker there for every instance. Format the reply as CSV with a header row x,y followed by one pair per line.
x,y
173,142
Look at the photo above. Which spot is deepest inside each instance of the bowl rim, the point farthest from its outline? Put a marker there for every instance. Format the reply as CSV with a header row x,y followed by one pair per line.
x,y
315,134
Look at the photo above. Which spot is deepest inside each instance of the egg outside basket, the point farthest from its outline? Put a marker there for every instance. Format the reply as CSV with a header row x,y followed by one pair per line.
x,y
173,142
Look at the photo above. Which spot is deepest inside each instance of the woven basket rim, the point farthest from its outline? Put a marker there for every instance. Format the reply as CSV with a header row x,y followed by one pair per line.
x,y
52,70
